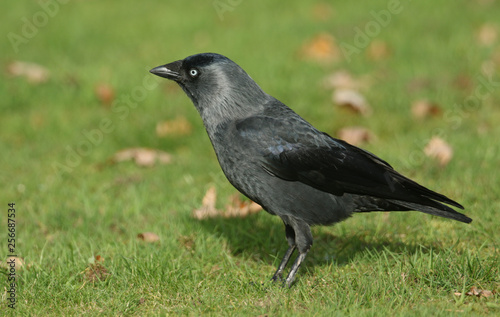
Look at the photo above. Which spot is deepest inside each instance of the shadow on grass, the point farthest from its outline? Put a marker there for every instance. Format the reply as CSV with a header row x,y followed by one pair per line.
x,y
261,237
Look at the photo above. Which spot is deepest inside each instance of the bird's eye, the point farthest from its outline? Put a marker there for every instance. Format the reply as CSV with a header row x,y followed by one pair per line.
x,y
194,72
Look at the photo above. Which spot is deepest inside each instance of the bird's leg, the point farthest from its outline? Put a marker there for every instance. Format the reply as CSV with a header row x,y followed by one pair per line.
x,y
290,236
279,272
294,269
304,241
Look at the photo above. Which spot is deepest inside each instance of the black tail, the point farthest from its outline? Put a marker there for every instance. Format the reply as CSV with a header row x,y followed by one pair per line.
x,y
435,208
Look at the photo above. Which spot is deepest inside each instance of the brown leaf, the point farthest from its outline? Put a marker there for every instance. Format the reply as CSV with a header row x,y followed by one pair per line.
x,y
344,80
34,73
321,48
236,207
355,135
178,126
352,100
207,209
148,237
421,109
474,291
254,207
378,50
105,94
438,149
142,156
486,293
96,272
13,262
487,34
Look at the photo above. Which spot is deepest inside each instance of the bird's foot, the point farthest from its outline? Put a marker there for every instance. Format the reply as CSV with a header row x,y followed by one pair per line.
x,y
277,277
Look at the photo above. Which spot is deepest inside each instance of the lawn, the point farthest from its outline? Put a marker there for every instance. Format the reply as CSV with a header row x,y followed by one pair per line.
x,y
79,210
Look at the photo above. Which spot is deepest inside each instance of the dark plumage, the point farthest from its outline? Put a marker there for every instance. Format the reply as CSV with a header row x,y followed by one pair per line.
x,y
279,160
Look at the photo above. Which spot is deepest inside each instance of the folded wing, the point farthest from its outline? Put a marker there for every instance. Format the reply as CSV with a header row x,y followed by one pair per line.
x,y
331,165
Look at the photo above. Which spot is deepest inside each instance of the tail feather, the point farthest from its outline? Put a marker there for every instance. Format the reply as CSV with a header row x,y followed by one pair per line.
x,y
436,209
431,195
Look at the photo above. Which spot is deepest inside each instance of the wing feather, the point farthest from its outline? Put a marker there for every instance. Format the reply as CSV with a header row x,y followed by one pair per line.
x,y
312,157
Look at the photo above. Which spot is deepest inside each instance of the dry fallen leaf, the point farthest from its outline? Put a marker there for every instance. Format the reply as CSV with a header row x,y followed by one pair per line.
x,y
178,126
340,79
351,100
236,207
13,262
148,237
95,258
207,209
96,272
239,208
378,50
355,135
344,80
105,94
321,48
421,109
487,34
34,73
142,156
474,291
438,149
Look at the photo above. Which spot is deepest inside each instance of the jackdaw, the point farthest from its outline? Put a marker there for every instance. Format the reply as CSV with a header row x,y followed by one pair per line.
x,y
279,160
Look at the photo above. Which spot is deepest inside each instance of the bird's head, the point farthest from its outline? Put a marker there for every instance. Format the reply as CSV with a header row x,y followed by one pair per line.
x,y
219,88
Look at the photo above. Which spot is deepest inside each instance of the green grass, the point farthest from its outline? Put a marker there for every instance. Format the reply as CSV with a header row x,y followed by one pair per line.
x,y
395,264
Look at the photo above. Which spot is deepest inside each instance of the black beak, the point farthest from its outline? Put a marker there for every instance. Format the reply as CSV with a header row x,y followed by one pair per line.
x,y
170,71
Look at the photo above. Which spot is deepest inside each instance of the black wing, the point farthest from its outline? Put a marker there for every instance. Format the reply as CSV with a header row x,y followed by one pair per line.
x,y
294,150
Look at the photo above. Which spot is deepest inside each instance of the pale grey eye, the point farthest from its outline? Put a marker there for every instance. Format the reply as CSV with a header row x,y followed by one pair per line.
x,y
193,72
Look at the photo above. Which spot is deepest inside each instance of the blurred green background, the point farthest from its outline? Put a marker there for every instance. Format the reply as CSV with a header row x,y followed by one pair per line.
x,y
94,97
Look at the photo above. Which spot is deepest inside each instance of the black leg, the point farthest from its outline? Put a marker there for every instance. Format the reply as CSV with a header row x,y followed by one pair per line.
x,y
290,237
298,235
303,241
294,269
278,276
